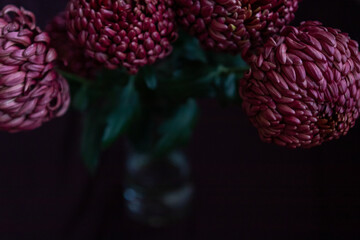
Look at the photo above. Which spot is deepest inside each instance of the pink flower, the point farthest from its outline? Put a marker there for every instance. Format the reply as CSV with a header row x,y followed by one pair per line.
x,y
303,86
129,33
31,92
234,25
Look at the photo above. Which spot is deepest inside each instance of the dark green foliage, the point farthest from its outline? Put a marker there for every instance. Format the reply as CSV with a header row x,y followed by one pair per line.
x,y
126,106
156,109
177,130
93,129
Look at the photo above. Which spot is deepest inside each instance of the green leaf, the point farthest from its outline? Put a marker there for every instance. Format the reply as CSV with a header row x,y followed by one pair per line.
x,y
193,50
80,99
93,128
107,78
150,78
73,77
177,130
225,59
230,86
126,106
239,62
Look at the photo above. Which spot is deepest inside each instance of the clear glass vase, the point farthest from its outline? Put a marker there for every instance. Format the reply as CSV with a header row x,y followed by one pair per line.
x,y
157,191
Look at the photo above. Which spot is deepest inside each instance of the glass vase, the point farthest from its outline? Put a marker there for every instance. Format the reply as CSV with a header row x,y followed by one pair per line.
x,y
157,191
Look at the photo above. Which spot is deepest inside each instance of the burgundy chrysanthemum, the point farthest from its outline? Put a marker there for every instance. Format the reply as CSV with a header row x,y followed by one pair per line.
x,y
304,86
129,33
31,92
234,25
71,57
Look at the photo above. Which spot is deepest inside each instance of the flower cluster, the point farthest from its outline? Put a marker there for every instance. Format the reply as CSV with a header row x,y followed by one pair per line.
x,y
31,92
304,86
128,33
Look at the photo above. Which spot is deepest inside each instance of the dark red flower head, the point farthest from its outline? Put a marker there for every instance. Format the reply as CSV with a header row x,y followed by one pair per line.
x,y
31,92
234,25
304,86
129,33
71,57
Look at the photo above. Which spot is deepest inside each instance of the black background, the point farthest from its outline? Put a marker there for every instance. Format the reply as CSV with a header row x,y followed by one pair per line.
x,y
245,189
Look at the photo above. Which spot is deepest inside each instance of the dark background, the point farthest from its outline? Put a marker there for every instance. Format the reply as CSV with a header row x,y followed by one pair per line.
x,y
245,189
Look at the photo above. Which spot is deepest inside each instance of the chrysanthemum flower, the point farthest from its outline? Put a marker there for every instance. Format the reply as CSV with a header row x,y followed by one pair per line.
x,y
129,33
304,86
234,25
31,92
71,57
